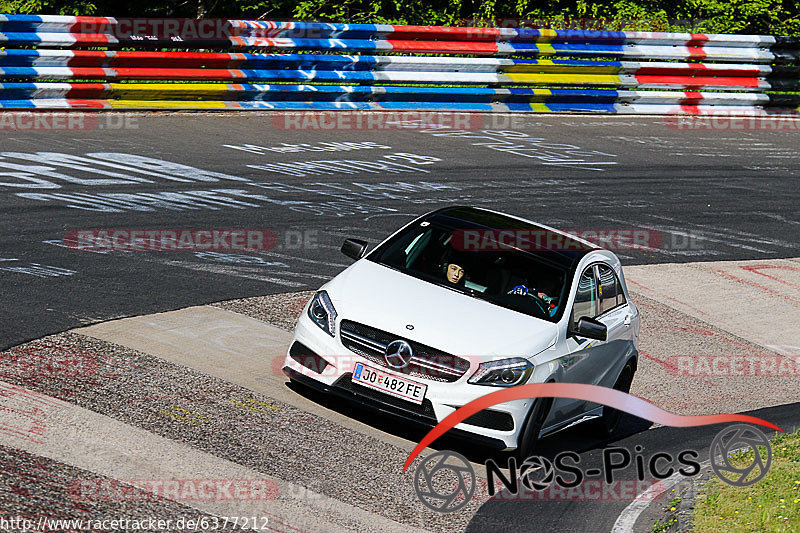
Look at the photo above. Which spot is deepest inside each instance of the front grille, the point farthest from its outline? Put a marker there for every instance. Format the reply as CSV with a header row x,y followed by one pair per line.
x,y
427,362
425,410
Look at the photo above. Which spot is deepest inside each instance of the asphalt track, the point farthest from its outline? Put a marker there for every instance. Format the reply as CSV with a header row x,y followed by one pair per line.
x,y
711,195
707,195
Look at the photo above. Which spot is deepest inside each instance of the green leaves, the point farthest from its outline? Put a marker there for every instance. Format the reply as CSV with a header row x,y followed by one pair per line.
x,y
778,17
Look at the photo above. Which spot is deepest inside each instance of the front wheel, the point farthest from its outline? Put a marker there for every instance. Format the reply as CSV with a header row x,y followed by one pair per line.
x,y
609,422
529,438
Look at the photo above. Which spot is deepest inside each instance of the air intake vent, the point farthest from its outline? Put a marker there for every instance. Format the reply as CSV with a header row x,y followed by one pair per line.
x,y
303,355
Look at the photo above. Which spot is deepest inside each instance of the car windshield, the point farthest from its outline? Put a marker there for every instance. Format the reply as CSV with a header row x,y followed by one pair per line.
x,y
518,280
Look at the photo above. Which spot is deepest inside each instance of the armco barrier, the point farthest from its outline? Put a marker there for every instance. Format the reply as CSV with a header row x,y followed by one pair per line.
x,y
45,65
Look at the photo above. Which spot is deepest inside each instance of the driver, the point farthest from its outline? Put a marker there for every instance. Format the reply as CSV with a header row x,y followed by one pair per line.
x,y
453,266
454,273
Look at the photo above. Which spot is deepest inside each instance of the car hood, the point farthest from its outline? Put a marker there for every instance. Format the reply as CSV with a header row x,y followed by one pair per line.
x,y
444,319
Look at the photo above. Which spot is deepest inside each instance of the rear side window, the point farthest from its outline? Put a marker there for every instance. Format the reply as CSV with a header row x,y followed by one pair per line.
x,y
609,289
586,298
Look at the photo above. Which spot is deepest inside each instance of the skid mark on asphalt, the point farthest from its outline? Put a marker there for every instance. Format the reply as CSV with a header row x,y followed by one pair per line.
x,y
734,296
669,366
758,270
238,265
759,286
676,370
698,240
728,234
652,293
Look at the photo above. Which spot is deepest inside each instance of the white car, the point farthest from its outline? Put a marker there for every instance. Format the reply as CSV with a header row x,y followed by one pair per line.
x,y
462,301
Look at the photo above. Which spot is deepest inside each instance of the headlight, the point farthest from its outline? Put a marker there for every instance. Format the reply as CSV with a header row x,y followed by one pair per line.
x,y
502,373
323,314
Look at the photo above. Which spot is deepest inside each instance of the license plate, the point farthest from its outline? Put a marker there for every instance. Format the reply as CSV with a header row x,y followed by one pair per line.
x,y
389,383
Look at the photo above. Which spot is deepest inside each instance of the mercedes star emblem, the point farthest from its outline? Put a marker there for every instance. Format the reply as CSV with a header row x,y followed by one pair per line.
x,y
398,354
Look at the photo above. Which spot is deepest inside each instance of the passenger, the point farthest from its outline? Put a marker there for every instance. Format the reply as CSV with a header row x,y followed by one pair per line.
x,y
543,293
547,293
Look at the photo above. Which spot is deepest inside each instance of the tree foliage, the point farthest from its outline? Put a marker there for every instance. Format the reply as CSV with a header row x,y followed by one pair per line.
x,y
780,17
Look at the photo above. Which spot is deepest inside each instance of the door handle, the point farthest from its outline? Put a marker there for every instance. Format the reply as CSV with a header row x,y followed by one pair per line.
x,y
627,320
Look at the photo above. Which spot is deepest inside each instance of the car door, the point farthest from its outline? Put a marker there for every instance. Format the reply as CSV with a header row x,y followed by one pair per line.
x,y
593,362
617,315
576,366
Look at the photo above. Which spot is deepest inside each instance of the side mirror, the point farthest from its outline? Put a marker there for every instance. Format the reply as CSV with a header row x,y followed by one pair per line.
x,y
589,328
354,248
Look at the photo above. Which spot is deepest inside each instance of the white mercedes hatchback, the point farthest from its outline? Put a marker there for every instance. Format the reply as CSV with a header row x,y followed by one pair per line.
x,y
462,301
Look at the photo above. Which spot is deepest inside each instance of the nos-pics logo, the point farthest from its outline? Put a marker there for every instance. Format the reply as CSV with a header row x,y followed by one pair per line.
x,y
445,481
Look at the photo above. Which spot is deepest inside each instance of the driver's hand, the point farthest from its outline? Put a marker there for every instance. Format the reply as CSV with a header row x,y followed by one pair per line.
x,y
520,290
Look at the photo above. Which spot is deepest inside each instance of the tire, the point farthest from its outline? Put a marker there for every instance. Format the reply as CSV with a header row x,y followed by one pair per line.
x,y
608,423
528,440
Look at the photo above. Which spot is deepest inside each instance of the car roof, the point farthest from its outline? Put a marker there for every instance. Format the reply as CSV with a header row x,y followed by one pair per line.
x,y
574,248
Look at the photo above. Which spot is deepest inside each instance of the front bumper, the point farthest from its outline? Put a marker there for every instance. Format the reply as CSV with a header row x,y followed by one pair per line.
x,y
442,398
370,402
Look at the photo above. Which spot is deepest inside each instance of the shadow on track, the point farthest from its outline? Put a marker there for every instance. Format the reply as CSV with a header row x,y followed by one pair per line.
x,y
578,438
